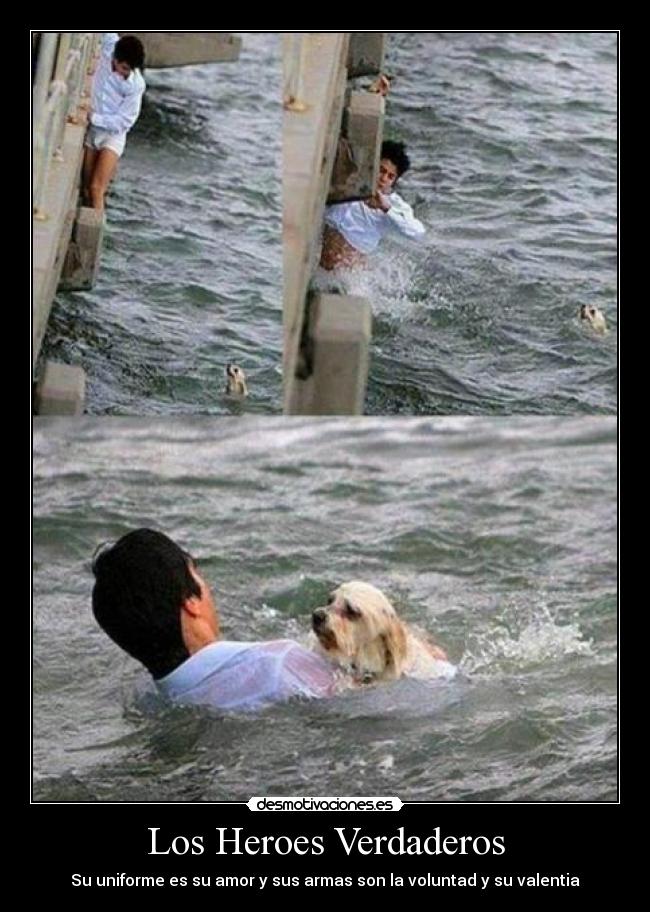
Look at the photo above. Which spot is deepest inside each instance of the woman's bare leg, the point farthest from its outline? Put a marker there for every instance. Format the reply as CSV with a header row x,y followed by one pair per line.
x,y
90,157
105,168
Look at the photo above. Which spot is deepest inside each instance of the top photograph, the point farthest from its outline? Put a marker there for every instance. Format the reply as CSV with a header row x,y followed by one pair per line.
x,y
325,223
450,223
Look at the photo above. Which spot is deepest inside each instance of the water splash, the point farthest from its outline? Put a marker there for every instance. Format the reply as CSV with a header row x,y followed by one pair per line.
x,y
388,280
518,643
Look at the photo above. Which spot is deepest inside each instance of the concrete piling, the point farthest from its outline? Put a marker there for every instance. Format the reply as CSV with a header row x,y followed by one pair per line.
x,y
51,234
340,329
331,153
81,264
363,125
310,137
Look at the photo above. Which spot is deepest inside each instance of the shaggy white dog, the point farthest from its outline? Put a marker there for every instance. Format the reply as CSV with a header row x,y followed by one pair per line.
x,y
359,630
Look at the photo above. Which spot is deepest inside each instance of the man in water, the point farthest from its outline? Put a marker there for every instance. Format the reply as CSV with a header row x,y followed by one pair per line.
x,y
118,87
151,600
353,230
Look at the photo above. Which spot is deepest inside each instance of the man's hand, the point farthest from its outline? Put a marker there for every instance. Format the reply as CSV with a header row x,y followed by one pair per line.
x,y
378,201
381,85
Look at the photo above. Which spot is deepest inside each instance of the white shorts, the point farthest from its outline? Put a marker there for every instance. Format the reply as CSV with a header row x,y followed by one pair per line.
x,y
102,139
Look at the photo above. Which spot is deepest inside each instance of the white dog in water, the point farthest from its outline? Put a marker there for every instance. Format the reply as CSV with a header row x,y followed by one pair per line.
x,y
236,381
595,318
359,630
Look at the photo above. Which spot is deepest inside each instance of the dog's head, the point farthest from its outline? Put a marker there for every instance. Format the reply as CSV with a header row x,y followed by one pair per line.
x,y
236,381
594,317
360,630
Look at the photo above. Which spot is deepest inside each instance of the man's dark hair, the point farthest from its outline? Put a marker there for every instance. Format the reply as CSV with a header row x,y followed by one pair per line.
x,y
396,152
129,49
141,582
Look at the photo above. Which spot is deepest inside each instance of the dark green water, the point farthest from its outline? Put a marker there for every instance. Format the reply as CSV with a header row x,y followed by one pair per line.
x,y
191,274
497,536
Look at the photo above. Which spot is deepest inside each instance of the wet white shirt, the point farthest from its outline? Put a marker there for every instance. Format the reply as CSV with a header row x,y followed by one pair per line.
x,y
245,676
363,227
116,101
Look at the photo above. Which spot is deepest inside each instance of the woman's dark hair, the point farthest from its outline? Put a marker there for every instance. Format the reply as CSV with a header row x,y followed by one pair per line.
x,y
129,49
141,582
396,152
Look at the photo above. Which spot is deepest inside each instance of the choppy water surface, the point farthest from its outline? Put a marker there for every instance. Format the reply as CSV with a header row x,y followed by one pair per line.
x,y
191,274
497,537
513,140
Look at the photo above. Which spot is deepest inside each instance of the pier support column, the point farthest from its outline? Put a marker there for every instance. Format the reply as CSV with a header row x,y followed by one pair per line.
x,y
366,54
363,128
339,342
61,390
332,144
82,259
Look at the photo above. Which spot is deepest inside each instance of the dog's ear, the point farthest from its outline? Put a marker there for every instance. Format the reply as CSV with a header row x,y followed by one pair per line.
x,y
394,641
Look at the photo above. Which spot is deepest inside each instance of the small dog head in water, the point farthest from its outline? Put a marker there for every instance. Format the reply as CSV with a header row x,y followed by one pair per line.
x,y
359,629
236,381
594,317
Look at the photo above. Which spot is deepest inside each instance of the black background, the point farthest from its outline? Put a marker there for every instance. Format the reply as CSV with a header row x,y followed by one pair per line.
x,y
579,840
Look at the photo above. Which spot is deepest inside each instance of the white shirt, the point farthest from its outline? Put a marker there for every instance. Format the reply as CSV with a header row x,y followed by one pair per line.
x,y
363,227
116,101
235,676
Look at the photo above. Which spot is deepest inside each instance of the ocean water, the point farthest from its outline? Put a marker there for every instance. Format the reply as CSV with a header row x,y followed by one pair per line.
x,y
496,536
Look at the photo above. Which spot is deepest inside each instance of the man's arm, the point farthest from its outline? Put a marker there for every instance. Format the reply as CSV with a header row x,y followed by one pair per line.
x,y
403,220
109,40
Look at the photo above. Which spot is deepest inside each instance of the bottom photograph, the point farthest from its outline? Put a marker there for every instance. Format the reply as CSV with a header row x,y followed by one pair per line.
x,y
420,608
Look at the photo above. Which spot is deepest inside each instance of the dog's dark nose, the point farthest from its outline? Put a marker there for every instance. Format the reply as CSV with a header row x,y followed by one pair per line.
x,y
318,617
